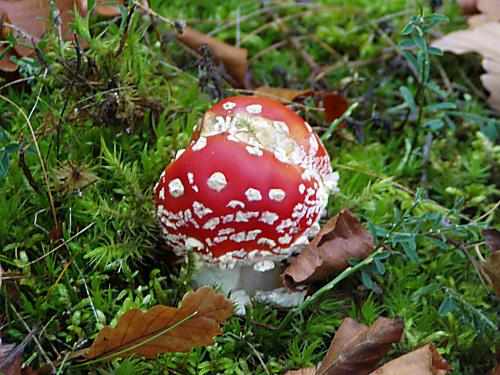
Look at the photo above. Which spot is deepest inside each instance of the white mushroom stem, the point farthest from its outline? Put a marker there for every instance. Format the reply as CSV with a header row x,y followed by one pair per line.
x,y
260,281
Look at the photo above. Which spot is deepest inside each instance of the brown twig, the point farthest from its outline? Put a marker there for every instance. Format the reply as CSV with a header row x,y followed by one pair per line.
x,y
125,32
27,171
42,163
295,43
66,101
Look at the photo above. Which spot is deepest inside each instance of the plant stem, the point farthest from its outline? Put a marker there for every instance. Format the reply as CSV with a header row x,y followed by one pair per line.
x,y
347,272
133,347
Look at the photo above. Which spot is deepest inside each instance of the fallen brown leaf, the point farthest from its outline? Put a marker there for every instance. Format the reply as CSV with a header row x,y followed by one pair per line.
x,y
334,103
492,239
481,38
135,327
467,6
278,93
496,370
357,349
109,8
11,357
423,361
233,58
341,238
489,8
31,18
492,265
302,371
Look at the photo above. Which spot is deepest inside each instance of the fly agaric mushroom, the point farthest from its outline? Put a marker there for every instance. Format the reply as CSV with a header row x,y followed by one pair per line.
x,y
246,193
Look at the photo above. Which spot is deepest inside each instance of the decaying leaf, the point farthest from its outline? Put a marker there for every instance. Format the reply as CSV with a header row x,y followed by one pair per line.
x,y
11,357
482,38
357,349
496,370
31,19
492,265
423,361
492,239
135,327
233,58
302,371
278,93
343,237
334,103
467,6
108,8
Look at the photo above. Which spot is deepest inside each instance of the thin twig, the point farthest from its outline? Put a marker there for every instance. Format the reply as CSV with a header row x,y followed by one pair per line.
x,y
125,32
60,245
256,352
37,342
154,14
27,171
66,101
42,163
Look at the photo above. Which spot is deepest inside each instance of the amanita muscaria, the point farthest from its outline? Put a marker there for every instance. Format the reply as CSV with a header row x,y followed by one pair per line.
x,y
250,187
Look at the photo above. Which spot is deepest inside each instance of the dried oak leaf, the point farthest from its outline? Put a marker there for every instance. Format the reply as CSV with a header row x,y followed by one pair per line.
x,y
135,327
492,265
302,371
423,361
343,237
11,357
108,8
468,6
233,58
496,370
31,19
357,349
334,103
482,38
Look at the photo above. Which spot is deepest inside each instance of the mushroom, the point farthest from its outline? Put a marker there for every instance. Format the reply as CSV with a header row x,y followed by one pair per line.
x,y
247,192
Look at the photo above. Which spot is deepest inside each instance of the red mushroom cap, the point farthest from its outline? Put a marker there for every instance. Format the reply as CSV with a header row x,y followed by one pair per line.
x,y
227,114
228,200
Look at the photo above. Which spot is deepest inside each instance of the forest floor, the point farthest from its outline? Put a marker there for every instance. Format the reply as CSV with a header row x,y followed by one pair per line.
x,y
85,136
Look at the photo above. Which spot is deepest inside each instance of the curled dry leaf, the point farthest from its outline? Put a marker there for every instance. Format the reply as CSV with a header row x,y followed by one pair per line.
x,y
11,357
343,237
334,103
233,58
496,370
357,349
302,371
468,6
492,265
135,327
423,361
31,19
482,38
108,8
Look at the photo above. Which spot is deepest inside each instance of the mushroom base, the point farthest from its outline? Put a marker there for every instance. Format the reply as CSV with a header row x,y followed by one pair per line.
x,y
244,283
